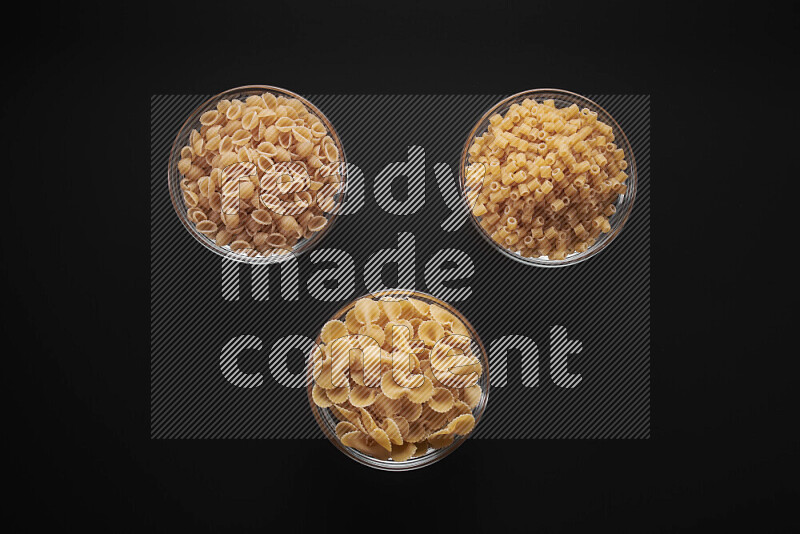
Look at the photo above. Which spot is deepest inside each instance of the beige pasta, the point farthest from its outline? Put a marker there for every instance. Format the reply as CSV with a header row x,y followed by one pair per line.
x,y
560,163
399,374
230,168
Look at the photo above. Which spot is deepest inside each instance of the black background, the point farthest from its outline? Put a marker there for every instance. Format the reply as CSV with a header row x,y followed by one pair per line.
x,y
75,265
191,398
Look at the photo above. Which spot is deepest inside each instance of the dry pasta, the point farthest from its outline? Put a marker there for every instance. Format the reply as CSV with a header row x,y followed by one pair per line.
x,y
399,375
543,181
260,175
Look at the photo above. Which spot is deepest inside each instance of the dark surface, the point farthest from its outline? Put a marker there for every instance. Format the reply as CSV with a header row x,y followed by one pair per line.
x,y
78,418
604,302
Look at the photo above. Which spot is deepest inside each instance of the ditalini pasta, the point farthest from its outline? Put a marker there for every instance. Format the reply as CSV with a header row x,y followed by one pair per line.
x,y
399,375
543,181
260,175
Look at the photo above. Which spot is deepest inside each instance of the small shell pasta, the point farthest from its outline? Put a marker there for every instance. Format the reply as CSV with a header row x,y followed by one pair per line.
x,y
225,159
317,223
207,227
210,117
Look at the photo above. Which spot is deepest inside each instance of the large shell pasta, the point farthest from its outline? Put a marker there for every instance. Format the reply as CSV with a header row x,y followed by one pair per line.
x,y
400,375
260,174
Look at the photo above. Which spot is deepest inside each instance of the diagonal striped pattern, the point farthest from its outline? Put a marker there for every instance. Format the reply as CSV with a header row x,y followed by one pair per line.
x,y
211,319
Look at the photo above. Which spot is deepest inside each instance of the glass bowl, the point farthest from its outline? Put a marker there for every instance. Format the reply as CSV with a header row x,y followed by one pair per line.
x,y
174,176
623,204
327,421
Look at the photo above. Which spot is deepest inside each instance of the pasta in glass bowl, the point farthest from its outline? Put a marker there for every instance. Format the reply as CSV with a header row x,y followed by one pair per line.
x,y
398,380
256,174
549,177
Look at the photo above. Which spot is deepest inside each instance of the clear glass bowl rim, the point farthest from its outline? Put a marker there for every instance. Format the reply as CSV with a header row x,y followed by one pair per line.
x,y
629,197
173,178
437,454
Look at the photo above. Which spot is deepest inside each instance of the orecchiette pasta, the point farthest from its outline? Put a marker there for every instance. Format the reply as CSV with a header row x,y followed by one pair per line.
x,y
399,374
543,180
260,175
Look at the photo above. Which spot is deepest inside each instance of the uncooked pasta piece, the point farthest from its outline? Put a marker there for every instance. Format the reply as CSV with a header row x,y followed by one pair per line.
x,y
462,364
398,334
209,117
322,374
402,424
223,237
191,198
432,419
390,388
284,124
276,240
405,408
240,245
207,227
352,323
410,411
331,152
418,345
416,432
260,239
342,413
393,431
234,110
381,438
462,425
441,400
344,427
362,396
374,332
471,395
422,448
339,395
367,420
366,370
459,408
317,223
333,330
304,147
318,130
392,308
196,215
417,395
459,328
403,451
262,217
420,394
241,138
206,186
367,311
270,100
320,397
303,137
441,315
440,440
288,226
360,441
430,332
